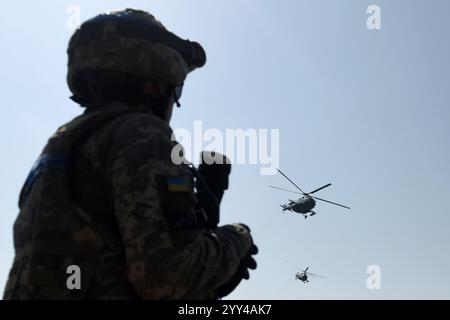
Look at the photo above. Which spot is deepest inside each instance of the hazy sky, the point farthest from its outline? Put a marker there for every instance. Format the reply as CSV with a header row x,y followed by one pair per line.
x,y
365,110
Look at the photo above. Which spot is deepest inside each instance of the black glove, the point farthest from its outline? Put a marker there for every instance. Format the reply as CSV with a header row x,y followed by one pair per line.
x,y
215,175
242,273
211,183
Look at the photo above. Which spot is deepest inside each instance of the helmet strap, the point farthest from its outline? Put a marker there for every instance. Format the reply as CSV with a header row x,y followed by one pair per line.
x,y
159,105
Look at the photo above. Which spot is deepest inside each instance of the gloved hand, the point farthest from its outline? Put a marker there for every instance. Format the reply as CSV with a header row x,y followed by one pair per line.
x,y
212,183
215,175
248,262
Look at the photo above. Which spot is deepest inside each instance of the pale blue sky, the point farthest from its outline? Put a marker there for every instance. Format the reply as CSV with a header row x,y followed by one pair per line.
x,y
365,110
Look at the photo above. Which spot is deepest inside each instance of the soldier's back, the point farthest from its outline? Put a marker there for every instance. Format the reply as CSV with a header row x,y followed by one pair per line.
x,y
66,222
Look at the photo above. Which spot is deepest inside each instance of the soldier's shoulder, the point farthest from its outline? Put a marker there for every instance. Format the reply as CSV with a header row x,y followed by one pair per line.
x,y
137,131
132,125
139,121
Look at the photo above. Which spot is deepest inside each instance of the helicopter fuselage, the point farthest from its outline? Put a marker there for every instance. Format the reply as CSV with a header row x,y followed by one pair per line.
x,y
302,205
301,276
306,203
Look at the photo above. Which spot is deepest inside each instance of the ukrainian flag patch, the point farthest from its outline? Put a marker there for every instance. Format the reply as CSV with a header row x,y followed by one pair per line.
x,y
177,185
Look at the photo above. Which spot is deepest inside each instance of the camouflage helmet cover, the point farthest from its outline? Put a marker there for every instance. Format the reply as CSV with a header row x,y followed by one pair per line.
x,y
133,42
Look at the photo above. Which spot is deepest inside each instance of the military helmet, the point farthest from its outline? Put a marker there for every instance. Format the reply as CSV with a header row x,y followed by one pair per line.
x,y
131,42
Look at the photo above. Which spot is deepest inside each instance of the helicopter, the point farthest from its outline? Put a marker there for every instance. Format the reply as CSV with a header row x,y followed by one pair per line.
x,y
303,276
306,203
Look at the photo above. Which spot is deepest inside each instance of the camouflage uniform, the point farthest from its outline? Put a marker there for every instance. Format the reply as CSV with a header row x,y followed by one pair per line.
x,y
133,233
105,195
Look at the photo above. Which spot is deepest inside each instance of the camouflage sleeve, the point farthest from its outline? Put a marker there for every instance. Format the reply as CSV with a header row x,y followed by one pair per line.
x,y
168,255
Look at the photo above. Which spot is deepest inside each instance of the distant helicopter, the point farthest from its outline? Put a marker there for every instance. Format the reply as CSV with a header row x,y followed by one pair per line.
x,y
306,203
303,276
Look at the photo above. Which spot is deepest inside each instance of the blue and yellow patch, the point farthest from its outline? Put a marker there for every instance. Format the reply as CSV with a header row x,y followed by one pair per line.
x,y
178,185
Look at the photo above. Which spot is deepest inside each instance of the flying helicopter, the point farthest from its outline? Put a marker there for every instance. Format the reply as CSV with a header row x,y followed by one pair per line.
x,y
306,203
303,276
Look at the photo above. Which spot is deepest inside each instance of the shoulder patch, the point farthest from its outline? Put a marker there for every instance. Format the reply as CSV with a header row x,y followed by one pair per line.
x,y
177,185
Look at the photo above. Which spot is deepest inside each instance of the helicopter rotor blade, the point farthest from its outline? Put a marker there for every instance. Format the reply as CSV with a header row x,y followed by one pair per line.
x,y
318,189
284,189
337,204
291,181
315,275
